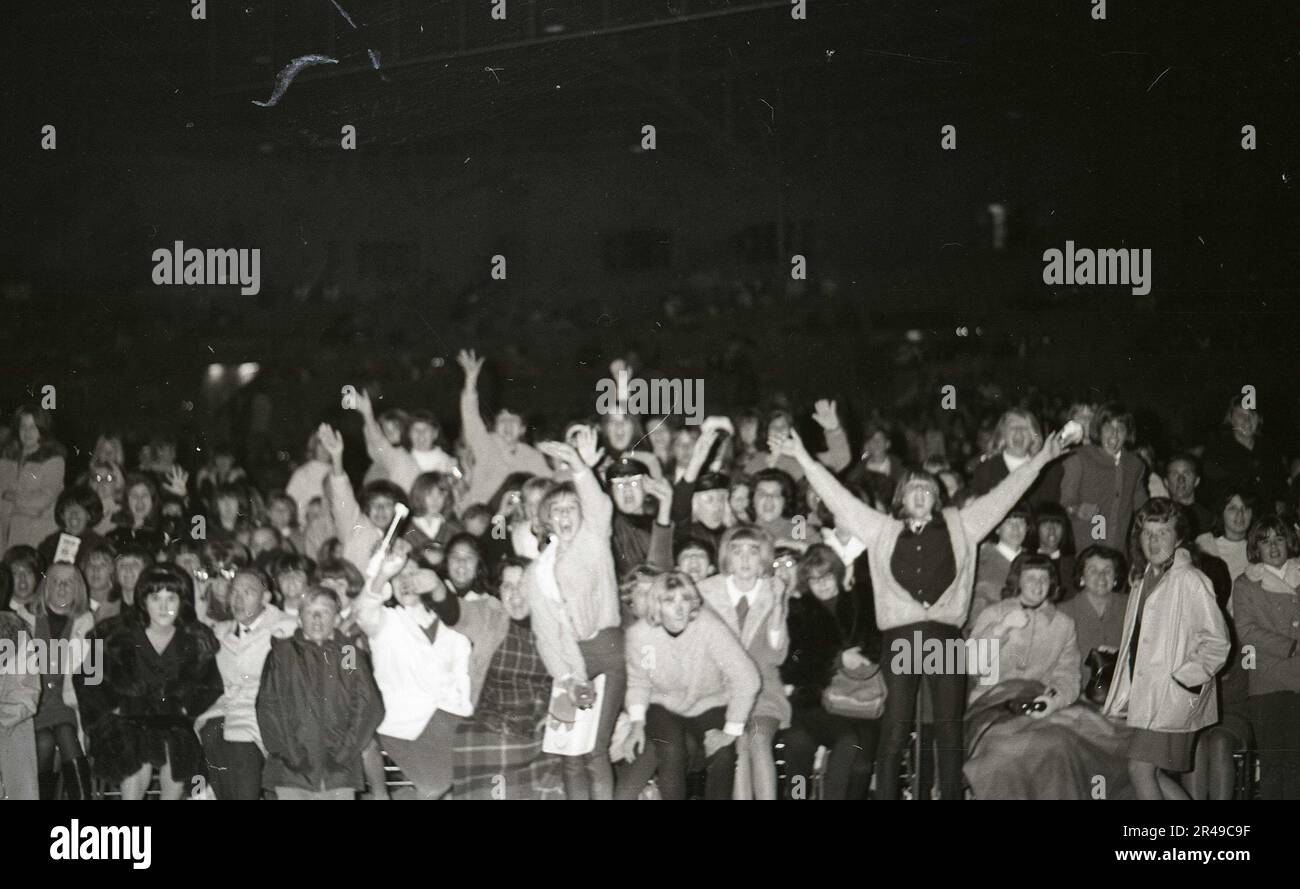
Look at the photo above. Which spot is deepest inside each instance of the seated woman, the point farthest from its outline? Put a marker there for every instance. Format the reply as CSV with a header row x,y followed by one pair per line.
x,y
77,512
1097,609
688,675
994,561
829,634
1024,739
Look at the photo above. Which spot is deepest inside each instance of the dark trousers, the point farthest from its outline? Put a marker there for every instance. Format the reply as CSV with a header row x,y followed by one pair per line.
x,y
592,776
852,745
234,767
1276,719
667,733
948,695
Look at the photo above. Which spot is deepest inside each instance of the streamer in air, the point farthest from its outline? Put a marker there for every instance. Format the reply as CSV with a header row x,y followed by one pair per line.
x,y
289,72
346,17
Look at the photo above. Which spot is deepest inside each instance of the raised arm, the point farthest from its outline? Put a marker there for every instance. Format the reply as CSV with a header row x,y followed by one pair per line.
x,y
597,508
983,514
472,426
343,503
850,513
836,456
377,446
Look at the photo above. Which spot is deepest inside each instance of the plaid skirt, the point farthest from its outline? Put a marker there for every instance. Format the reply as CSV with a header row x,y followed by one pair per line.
x,y
492,765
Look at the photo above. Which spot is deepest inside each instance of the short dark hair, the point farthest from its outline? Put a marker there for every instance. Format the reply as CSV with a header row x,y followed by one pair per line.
x,y
1110,554
344,570
821,557
28,557
1028,561
381,488
420,415
1248,497
782,478
86,498
697,543
312,593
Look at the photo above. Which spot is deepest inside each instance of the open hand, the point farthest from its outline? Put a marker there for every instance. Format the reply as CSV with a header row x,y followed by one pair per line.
x,y
826,415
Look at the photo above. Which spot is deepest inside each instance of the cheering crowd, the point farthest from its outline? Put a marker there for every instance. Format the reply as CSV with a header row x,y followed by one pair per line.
x,y
645,608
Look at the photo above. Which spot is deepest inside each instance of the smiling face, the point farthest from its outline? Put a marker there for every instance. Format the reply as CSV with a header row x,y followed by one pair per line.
x,y
462,566
292,584
629,494
423,436
1099,576
513,599
1272,549
1035,584
823,586
709,508
24,583
61,588
565,517
738,497
139,500
162,606
1245,422
380,510
675,607
769,501
435,500
1237,517
1159,540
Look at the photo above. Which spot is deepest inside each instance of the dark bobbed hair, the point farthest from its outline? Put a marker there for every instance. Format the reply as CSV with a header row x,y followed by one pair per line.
x,y
165,578
125,519
85,497
482,575
820,558
381,488
426,482
782,478
1248,497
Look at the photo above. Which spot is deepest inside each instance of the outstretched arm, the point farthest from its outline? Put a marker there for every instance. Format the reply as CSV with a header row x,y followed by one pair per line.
x,y
983,514
850,513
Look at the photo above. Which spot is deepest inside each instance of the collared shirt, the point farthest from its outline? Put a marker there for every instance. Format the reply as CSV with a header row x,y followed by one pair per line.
x,y
734,593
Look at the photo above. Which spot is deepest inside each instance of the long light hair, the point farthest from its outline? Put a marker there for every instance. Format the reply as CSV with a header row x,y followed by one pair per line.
x,y
80,603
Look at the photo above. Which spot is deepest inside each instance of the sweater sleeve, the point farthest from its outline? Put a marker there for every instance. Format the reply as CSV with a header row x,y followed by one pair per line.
x,y
983,514
343,506
1066,674
597,508
836,456
856,517
637,653
555,642
1252,620
738,671
369,609
472,426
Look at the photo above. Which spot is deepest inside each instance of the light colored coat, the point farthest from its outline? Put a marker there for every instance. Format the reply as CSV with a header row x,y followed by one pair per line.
x,y
764,637
240,660
28,518
1184,643
1045,649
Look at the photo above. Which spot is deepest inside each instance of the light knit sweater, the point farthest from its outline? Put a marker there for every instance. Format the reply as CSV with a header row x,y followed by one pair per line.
x,y
584,572
703,668
356,532
967,526
493,460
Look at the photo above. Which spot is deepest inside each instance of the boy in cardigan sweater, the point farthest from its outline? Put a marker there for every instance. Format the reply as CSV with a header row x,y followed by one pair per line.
x,y
687,675
922,562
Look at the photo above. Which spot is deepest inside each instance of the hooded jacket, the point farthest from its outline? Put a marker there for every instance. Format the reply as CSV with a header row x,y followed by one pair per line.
x,y
1183,644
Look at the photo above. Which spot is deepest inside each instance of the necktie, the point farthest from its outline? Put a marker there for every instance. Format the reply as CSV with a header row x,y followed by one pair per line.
x,y
742,611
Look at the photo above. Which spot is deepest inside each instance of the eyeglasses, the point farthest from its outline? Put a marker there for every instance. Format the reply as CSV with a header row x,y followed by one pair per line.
x,y
784,563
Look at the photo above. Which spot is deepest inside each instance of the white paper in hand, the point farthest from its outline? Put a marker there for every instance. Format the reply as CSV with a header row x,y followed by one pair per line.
x,y
67,551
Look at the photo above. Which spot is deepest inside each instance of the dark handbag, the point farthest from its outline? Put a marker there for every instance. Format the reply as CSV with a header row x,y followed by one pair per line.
x,y
1102,664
